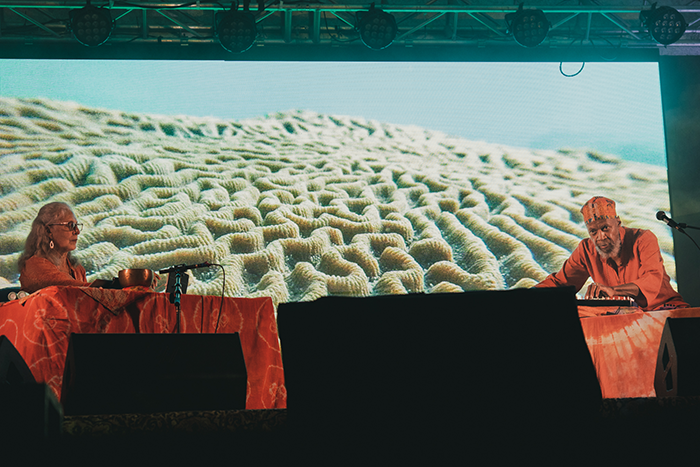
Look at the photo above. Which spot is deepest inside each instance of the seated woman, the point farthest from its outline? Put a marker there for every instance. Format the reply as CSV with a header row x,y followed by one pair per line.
x,y
47,258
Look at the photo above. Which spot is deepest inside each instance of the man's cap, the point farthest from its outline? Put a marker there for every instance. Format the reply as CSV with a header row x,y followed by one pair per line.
x,y
598,207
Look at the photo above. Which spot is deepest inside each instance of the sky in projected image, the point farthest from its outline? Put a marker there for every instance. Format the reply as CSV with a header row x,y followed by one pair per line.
x,y
609,107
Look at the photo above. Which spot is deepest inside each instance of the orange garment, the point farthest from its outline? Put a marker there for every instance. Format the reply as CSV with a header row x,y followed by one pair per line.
x,y
40,272
641,265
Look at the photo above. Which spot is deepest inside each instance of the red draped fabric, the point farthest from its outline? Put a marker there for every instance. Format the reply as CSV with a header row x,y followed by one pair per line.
x,y
40,325
624,349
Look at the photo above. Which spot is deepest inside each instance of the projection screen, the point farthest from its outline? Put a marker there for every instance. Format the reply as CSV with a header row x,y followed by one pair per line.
x,y
306,179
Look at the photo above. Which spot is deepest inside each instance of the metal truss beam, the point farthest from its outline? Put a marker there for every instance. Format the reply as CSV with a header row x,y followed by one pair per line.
x,y
615,25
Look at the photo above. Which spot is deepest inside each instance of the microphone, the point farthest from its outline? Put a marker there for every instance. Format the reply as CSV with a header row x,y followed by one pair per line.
x,y
183,267
671,223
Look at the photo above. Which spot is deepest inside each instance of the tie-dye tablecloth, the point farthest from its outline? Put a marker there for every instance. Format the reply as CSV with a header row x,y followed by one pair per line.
x,y
624,349
40,325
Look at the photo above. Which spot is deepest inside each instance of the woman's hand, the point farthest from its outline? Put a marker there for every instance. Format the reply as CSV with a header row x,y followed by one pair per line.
x,y
106,284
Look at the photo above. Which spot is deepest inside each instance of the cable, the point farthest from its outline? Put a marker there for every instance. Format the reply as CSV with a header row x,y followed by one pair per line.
x,y
691,239
336,37
561,69
561,64
325,19
597,51
173,7
201,323
221,305
600,54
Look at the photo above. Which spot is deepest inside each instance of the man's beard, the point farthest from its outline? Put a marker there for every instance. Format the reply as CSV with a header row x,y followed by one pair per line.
x,y
617,243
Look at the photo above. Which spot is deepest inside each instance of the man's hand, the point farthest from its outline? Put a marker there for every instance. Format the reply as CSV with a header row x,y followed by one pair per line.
x,y
596,290
599,291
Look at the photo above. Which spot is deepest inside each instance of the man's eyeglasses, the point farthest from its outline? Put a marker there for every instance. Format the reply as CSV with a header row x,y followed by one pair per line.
x,y
72,226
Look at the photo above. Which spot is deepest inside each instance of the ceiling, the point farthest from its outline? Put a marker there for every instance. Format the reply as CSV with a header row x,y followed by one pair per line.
x,y
297,30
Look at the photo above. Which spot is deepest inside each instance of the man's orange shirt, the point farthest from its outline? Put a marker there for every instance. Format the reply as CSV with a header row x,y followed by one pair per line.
x,y
40,272
641,265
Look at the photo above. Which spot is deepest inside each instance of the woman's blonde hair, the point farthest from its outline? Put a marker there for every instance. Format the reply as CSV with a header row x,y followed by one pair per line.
x,y
38,239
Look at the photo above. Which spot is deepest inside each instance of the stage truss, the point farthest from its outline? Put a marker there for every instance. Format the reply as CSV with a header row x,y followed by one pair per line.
x,y
607,27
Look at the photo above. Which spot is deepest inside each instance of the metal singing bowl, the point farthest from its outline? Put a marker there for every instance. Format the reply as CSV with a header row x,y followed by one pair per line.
x,y
135,277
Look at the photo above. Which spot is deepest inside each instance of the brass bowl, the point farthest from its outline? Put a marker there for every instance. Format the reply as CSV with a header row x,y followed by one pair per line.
x,y
136,277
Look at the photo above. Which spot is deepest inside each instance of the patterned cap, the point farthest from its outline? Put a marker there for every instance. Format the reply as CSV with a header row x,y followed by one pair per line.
x,y
598,207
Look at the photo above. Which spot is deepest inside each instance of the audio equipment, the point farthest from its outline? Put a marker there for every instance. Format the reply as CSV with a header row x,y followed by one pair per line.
x,y
149,373
678,359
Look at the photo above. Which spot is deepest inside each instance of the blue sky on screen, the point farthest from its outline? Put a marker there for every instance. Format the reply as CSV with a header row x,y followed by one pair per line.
x,y
609,107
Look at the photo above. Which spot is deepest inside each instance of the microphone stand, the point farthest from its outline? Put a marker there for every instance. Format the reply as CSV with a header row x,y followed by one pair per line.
x,y
177,287
175,298
683,225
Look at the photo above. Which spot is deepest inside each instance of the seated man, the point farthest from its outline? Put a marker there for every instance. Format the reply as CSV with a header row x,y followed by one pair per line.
x,y
621,261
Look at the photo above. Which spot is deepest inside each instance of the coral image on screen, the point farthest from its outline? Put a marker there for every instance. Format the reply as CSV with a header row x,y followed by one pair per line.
x,y
311,179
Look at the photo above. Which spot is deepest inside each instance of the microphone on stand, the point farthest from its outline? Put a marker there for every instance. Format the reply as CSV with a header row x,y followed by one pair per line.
x,y
671,223
183,267
179,285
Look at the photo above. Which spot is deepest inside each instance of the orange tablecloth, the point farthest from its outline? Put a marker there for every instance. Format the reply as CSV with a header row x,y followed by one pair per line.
x,y
624,349
40,325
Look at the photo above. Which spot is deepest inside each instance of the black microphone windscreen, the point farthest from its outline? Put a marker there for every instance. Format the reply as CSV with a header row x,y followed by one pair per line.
x,y
660,215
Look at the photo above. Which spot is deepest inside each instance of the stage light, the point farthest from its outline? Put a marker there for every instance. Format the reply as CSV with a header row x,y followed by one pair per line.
x,y
529,27
90,25
665,25
377,28
236,30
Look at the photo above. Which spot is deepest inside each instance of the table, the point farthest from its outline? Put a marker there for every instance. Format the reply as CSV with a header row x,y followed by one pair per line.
x,y
624,349
40,325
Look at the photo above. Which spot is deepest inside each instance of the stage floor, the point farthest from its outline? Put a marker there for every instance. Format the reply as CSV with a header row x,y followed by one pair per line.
x,y
640,429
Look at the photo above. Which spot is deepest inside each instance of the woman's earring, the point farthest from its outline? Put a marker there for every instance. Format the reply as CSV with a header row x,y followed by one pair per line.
x,y
51,244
